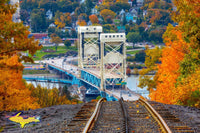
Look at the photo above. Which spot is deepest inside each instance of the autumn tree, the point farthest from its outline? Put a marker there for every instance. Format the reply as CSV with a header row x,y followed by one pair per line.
x,y
81,22
108,28
14,40
123,1
94,19
176,79
107,13
63,20
48,97
151,63
55,39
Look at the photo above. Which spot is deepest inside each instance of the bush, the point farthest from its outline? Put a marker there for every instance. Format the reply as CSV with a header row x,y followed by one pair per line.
x,y
47,97
194,99
99,97
67,43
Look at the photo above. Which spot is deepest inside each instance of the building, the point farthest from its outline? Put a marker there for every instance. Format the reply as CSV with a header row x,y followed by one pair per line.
x,y
16,16
94,11
140,3
42,37
49,14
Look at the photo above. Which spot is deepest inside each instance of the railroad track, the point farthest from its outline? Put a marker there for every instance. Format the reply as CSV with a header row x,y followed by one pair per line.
x,y
126,117
139,118
111,118
78,122
173,123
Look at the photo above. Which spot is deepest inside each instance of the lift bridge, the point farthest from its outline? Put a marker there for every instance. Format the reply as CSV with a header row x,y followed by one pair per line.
x,y
101,57
101,61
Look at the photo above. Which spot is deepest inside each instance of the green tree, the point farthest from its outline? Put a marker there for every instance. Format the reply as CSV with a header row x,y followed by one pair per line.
x,y
140,56
38,21
124,20
133,37
108,28
73,33
151,60
67,92
89,5
67,43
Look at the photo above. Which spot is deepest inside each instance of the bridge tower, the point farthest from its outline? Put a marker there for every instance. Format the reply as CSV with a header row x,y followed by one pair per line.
x,y
113,59
89,46
102,55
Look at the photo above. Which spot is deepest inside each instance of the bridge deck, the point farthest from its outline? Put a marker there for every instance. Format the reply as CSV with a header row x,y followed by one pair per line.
x,y
74,69
127,95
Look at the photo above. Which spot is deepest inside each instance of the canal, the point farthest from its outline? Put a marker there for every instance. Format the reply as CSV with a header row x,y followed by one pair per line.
x,y
132,83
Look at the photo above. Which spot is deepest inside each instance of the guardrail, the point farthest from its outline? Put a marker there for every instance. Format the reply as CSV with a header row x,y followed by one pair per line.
x,y
156,116
94,116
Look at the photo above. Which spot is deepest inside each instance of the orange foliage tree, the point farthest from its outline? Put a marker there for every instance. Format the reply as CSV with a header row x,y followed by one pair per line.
x,y
177,79
65,19
94,19
107,13
81,22
172,54
13,93
13,40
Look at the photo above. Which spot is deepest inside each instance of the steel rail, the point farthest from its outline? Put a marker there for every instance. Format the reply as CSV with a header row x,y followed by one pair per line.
x,y
121,101
93,117
156,116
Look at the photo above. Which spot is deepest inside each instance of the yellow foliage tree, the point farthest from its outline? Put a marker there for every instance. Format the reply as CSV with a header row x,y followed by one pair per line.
x,y
81,22
47,97
106,12
13,40
187,87
13,93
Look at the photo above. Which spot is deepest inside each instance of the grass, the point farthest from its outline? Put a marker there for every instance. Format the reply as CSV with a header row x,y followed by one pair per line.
x,y
131,47
132,52
60,50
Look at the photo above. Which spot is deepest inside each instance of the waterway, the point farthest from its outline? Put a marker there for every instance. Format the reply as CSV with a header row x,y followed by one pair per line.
x,y
132,83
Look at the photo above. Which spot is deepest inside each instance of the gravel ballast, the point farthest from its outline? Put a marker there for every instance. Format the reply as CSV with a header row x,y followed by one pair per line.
x,y
54,118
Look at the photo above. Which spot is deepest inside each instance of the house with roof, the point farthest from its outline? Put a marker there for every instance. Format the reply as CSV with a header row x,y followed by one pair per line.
x,y
130,16
94,11
49,14
41,37
89,23
130,2
140,3
100,1
52,25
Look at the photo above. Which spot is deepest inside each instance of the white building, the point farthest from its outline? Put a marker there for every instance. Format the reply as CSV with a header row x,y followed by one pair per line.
x,y
140,3
16,16
94,11
49,14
